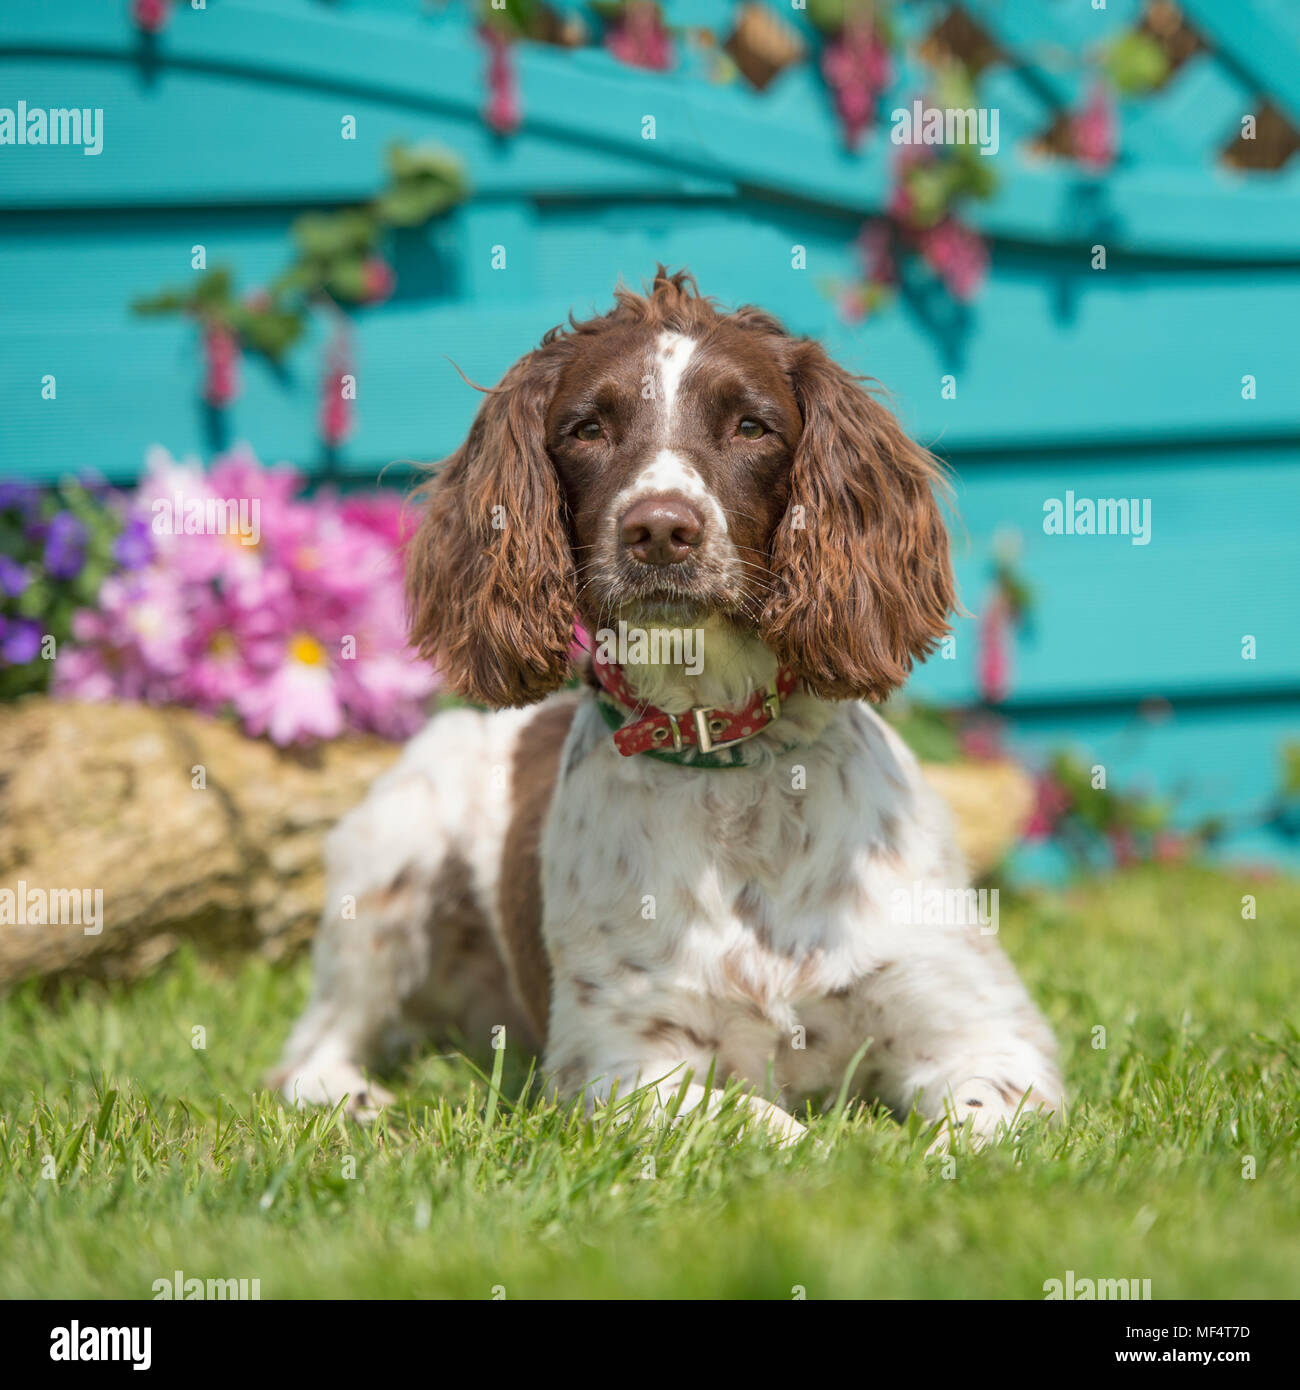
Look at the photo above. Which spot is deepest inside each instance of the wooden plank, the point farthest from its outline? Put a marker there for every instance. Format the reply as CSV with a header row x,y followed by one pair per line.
x,y
1190,121
1104,357
277,143
1112,616
1263,45
1215,759
1110,613
431,86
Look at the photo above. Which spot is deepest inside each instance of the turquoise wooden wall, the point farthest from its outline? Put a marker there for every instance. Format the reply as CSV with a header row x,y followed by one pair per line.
x,y
1125,382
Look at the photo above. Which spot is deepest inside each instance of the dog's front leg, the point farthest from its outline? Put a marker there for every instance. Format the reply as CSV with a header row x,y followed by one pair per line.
x,y
669,1097
956,1035
584,1035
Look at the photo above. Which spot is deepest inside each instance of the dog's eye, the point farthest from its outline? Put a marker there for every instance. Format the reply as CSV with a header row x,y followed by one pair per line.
x,y
751,429
589,430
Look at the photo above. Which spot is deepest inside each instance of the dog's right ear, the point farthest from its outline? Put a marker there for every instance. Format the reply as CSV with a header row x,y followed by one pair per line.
x,y
489,578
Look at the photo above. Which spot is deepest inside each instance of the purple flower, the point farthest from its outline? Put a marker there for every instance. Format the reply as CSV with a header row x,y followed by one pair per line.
x,y
22,641
13,577
18,496
133,549
65,547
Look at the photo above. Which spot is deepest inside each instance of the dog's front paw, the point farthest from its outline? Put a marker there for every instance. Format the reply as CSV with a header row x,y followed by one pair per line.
x,y
329,1085
987,1111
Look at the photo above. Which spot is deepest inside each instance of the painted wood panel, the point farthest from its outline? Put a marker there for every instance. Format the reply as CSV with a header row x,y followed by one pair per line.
x,y
1126,382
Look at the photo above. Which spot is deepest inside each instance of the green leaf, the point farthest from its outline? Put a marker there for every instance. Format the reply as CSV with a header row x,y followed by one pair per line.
x,y
1291,769
1135,63
325,235
167,302
271,332
413,203
214,289
346,280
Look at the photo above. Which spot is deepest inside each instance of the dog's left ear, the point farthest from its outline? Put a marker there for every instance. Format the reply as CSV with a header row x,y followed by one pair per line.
x,y
862,578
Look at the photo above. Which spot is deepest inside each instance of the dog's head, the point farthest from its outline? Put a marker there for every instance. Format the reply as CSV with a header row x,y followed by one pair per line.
x,y
666,463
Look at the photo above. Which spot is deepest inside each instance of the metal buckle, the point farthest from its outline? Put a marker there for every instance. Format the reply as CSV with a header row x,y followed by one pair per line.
x,y
704,735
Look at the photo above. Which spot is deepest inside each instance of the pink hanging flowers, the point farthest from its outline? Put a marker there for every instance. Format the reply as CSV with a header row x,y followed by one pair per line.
x,y
338,391
637,36
151,16
220,364
1095,130
502,112
857,67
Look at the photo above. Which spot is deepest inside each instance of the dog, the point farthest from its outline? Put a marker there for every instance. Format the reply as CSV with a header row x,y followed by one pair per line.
x,y
679,870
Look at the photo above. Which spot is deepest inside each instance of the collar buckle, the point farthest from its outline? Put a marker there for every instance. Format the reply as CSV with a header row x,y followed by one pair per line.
x,y
703,724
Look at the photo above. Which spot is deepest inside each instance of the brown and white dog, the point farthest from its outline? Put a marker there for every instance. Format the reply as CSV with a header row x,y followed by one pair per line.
x,y
725,882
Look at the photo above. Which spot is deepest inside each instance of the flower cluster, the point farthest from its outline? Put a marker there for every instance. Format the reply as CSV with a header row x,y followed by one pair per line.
x,y
294,622
857,67
921,220
55,548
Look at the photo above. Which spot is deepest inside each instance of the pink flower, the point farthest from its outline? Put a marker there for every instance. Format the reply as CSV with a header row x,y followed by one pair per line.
x,y
957,255
1051,802
856,66
380,281
982,740
1169,847
335,407
994,658
1095,130
150,15
638,37
1123,846
876,252
301,634
502,112
298,701
221,365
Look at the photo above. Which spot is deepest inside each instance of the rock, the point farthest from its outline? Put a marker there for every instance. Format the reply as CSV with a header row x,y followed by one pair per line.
x,y
991,804
193,831
189,829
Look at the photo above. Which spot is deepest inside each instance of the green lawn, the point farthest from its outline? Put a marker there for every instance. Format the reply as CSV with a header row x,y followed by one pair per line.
x,y
167,1157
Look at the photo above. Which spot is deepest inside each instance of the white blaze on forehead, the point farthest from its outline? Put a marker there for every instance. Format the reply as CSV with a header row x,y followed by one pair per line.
x,y
672,353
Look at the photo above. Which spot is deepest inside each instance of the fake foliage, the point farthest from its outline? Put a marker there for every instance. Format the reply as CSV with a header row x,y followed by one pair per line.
x,y
339,263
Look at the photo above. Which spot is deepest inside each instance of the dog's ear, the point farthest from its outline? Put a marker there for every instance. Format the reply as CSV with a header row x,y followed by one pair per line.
x,y
489,577
862,579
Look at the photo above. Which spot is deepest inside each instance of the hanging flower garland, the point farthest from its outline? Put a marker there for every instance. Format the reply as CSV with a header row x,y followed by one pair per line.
x,y
338,262
856,60
1003,614
336,410
635,34
151,16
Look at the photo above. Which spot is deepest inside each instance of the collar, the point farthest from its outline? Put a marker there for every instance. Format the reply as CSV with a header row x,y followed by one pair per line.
x,y
703,737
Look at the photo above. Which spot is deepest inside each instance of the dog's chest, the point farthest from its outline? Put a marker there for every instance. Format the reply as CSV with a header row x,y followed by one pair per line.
x,y
731,911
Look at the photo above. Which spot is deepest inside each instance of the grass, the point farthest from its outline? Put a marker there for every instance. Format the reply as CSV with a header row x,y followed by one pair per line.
x,y
167,1157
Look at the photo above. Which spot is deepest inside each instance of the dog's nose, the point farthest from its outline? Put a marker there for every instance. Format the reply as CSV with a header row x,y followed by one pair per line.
x,y
661,530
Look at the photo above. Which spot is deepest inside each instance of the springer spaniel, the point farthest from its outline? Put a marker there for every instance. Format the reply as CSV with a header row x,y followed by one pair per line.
x,y
704,861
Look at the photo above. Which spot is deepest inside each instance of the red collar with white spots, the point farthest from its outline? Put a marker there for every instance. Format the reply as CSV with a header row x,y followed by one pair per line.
x,y
703,727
